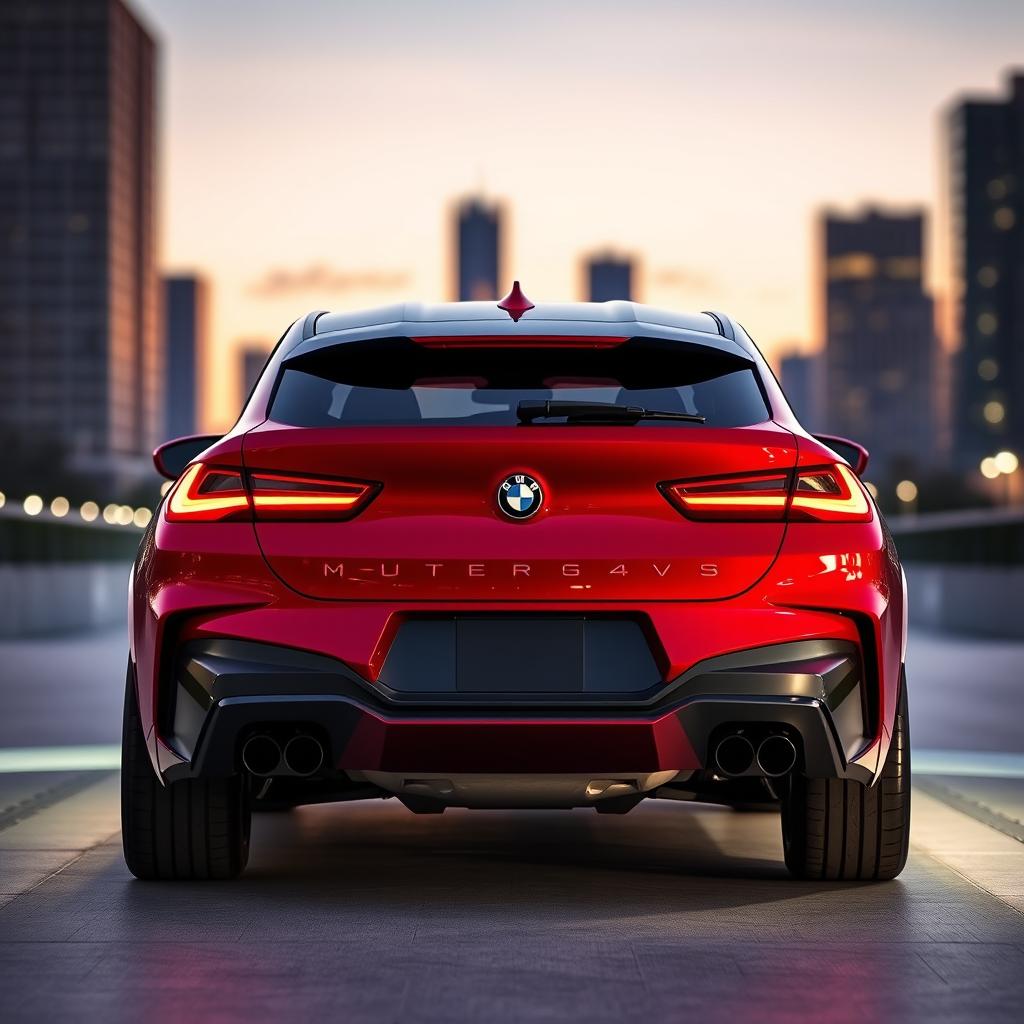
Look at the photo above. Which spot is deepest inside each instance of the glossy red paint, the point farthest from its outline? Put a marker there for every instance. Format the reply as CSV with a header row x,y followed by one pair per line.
x,y
436,519
516,303
827,583
605,532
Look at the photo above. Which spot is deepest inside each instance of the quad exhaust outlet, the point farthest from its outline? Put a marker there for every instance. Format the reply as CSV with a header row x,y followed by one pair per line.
x,y
776,756
303,755
263,756
735,755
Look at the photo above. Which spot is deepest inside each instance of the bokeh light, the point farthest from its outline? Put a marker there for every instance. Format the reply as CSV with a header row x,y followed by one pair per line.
x,y
906,491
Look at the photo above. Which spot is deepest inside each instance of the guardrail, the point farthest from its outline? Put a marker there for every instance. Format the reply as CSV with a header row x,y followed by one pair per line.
x,y
29,540
965,570
44,537
64,568
983,537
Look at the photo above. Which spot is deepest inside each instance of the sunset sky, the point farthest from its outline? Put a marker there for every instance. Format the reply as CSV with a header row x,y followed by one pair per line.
x,y
311,149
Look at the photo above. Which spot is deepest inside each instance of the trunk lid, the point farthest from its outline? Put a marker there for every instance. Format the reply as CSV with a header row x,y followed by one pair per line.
x,y
435,532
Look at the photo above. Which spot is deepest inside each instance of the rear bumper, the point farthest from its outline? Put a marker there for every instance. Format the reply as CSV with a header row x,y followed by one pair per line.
x,y
223,690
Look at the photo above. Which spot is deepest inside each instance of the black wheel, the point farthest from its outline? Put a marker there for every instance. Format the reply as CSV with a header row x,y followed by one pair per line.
x,y
191,829
843,830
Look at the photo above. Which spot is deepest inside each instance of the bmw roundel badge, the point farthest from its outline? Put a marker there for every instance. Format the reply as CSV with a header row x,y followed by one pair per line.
x,y
520,496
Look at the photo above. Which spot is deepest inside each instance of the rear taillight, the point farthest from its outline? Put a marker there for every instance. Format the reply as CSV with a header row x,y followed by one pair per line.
x,y
282,496
206,494
749,497
832,494
823,494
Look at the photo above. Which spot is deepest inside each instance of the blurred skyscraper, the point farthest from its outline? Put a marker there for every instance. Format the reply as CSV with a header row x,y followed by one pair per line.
x,y
609,277
186,333
79,332
879,357
985,218
478,256
799,375
252,357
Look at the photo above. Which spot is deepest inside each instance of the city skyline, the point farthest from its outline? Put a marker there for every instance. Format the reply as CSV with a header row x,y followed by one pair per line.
x,y
880,385
984,142
609,276
884,380
479,250
80,334
390,152
186,313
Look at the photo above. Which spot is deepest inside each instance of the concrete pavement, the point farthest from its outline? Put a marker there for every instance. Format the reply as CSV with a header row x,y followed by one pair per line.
x,y
366,912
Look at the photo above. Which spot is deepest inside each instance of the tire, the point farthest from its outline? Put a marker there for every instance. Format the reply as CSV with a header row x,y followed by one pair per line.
x,y
842,830
187,830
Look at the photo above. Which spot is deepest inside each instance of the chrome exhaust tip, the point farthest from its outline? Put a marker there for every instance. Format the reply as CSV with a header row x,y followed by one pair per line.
x,y
261,755
303,755
734,755
776,756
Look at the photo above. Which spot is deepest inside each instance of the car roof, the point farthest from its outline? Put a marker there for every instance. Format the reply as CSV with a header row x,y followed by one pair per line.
x,y
594,319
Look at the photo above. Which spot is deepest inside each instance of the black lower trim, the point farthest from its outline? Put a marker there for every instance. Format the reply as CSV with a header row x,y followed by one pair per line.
x,y
225,688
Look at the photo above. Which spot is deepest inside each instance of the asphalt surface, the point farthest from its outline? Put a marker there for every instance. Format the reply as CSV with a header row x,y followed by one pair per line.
x,y
367,912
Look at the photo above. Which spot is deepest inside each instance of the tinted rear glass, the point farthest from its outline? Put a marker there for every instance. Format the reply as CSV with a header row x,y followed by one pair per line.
x,y
396,381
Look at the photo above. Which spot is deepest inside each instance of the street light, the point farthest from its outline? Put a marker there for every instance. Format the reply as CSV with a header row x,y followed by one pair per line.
x,y
906,491
1004,463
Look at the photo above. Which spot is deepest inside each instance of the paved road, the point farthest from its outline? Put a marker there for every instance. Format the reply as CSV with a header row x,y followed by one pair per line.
x,y
366,912
966,693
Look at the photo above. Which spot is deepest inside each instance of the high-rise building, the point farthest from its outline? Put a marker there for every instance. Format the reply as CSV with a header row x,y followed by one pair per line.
x,y
186,332
879,357
82,361
798,373
252,357
984,216
478,255
609,277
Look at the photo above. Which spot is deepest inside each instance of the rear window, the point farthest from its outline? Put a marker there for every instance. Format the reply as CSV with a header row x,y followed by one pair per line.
x,y
397,381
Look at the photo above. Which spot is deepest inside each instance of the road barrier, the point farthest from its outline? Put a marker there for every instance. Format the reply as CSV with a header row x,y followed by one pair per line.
x,y
58,575
965,570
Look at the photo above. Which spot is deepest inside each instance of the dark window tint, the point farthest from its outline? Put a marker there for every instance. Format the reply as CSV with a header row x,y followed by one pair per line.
x,y
396,382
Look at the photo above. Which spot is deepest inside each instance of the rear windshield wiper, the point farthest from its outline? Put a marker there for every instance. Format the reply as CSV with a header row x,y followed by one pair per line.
x,y
596,412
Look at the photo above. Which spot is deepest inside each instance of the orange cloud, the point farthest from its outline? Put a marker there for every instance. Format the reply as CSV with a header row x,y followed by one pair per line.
x,y
682,277
320,278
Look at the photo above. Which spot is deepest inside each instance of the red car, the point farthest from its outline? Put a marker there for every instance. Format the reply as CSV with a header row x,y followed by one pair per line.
x,y
516,556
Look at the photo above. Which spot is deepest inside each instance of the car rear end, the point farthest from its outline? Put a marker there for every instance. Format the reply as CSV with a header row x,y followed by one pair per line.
x,y
338,599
